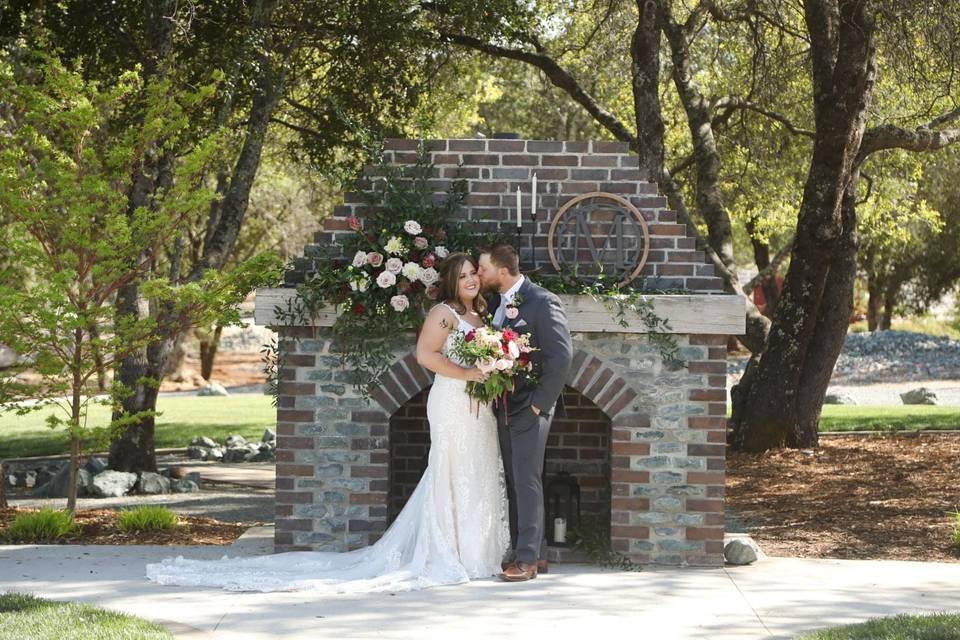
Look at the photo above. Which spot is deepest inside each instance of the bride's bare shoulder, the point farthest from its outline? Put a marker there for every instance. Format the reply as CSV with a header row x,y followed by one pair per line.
x,y
442,315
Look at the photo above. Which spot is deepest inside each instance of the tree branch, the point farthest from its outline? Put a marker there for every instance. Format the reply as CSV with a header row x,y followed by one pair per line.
x,y
733,102
559,76
770,269
923,138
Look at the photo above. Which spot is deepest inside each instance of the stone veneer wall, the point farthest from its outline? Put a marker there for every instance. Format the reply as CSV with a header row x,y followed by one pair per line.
x,y
667,427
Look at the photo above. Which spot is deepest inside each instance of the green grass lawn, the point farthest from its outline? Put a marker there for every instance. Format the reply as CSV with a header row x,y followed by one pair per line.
x,y
217,417
938,626
891,418
23,616
183,417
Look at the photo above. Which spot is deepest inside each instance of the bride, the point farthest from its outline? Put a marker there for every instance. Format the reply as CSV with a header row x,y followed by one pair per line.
x,y
454,527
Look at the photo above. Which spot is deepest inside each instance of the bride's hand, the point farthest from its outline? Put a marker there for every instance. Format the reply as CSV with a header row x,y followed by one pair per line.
x,y
474,374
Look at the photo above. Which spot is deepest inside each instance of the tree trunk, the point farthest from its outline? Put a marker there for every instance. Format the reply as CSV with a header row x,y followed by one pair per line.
x,y
777,404
645,71
135,449
873,297
831,330
890,303
761,257
3,487
176,367
208,352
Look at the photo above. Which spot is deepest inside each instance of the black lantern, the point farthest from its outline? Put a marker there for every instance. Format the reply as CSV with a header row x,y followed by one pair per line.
x,y
561,500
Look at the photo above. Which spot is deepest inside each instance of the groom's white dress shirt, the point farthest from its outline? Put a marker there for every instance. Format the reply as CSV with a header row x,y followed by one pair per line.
x,y
505,299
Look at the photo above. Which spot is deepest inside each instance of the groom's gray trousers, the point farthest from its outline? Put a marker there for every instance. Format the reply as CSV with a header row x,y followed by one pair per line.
x,y
522,445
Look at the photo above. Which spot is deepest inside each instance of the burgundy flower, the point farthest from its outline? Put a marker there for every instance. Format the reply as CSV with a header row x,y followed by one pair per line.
x,y
509,334
470,336
403,286
429,260
354,223
358,308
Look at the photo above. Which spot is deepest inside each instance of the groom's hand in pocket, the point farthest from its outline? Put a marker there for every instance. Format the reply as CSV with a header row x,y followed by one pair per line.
x,y
535,410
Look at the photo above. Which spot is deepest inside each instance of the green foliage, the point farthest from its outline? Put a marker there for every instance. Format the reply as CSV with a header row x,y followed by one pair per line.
x,y
26,616
39,527
68,153
592,537
934,626
147,518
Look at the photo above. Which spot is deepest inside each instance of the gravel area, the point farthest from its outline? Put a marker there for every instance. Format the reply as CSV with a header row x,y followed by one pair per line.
x,y
875,368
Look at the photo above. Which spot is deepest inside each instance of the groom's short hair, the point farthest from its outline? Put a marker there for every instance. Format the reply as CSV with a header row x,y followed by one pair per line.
x,y
504,255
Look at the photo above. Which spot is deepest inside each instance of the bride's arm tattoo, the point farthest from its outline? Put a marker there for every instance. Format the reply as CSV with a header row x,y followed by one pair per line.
x,y
444,324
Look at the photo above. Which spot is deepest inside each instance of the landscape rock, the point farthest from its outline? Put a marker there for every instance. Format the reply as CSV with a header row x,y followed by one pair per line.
x,y
8,357
235,454
184,486
113,484
834,397
269,435
920,395
95,465
197,453
213,389
235,441
203,441
739,553
152,483
215,454
56,485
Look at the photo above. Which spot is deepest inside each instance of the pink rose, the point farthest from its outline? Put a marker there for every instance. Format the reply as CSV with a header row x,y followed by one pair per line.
x,y
354,223
412,227
399,303
374,258
420,242
512,312
487,365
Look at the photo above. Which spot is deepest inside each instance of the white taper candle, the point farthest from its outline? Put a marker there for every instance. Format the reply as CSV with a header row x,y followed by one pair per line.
x,y
518,206
533,198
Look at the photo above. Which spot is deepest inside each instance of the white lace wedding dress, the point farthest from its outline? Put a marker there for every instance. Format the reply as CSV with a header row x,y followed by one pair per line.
x,y
454,527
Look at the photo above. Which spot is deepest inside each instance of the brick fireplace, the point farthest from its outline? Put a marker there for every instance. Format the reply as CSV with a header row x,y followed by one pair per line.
x,y
644,440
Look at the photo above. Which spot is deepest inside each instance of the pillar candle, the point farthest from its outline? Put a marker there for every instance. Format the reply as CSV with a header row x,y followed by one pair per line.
x,y
559,530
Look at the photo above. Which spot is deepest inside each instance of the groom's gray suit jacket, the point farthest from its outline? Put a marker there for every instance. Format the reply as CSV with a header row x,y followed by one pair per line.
x,y
540,314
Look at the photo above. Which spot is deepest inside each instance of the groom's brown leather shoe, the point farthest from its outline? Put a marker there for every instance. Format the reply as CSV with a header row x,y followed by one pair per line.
x,y
542,566
519,572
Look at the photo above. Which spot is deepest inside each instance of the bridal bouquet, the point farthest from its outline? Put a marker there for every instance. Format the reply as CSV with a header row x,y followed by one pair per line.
x,y
502,355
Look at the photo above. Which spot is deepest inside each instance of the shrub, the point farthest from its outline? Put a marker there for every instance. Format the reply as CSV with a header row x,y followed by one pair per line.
x,y
147,519
45,525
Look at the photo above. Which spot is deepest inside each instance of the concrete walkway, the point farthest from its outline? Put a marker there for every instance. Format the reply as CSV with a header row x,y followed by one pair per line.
x,y
775,598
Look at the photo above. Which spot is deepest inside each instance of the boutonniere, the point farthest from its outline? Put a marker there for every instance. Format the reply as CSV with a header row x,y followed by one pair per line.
x,y
513,309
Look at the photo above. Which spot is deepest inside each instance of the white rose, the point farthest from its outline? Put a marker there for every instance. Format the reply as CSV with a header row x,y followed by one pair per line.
x,y
399,303
412,227
420,242
503,364
513,349
394,265
428,275
395,245
359,259
411,271
386,279
441,251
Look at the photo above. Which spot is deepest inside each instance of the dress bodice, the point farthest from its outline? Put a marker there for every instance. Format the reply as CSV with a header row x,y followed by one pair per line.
x,y
463,327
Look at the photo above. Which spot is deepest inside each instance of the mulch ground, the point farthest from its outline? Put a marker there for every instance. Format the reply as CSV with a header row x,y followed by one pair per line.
x,y
99,526
857,497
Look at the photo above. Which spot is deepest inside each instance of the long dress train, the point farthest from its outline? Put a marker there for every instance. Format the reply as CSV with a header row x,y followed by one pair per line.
x,y
454,527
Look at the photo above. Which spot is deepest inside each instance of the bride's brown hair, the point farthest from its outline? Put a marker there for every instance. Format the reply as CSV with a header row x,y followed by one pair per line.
x,y
449,281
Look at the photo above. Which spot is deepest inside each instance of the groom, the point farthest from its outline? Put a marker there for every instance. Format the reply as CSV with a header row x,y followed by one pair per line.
x,y
524,420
